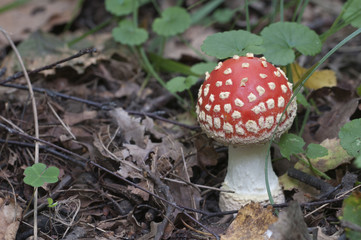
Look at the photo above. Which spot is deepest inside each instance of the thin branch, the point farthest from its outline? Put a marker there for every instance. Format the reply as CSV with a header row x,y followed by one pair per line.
x,y
103,106
180,208
50,66
36,124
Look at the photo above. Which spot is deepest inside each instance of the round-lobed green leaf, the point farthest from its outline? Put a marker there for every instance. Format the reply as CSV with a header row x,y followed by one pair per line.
x,y
38,174
120,7
351,212
202,68
230,43
179,84
281,38
223,15
127,34
290,144
316,151
173,20
350,137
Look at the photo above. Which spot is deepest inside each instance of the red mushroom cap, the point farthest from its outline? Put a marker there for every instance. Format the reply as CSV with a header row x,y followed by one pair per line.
x,y
242,100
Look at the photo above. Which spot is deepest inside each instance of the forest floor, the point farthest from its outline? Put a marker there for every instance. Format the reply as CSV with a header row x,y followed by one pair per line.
x,y
134,164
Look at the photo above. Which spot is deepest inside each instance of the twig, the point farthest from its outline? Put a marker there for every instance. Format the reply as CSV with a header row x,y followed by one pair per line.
x,y
310,180
54,94
67,128
16,132
36,124
155,116
55,193
339,197
181,181
45,148
50,66
164,189
180,208
103,106
350,225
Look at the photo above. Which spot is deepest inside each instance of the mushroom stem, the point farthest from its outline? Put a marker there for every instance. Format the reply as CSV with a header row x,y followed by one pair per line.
x,y
246,177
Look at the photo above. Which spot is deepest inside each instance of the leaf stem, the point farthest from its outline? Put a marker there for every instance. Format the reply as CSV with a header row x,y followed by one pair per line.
x,y
281,11
306,161
151,70
246,8
95,29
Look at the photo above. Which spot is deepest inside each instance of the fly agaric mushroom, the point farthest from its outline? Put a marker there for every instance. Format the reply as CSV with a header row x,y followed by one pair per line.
x,y
240,104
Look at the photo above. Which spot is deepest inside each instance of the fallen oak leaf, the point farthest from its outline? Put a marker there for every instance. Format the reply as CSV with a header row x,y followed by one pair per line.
x,y
319,79
34,15
336,156
75,118
130,128
10,214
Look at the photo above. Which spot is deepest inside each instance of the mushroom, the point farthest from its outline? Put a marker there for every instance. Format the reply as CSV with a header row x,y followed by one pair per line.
x,y
240,105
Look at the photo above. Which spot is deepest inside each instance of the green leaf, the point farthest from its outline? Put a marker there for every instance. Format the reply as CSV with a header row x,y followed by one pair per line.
x,y
120,7
168,65
127,34
316,151
173,20
51,203
357,161
358,90
301,99
205,10
352,213
290,144
350,137
281,38
353,13
202,68
179,84
38,174
123,7
227,44
223,15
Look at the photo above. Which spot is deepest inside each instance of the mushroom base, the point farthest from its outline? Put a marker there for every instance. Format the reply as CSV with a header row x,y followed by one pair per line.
x,y
246,177
234,201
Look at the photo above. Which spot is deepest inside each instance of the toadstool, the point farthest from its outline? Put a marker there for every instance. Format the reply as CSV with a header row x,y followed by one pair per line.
x,y
240,105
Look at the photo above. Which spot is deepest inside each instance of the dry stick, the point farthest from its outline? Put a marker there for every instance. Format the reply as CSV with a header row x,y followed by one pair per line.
x,y
45,148
55,193
102,106
50,66
36,124
180,208
66,126
339,197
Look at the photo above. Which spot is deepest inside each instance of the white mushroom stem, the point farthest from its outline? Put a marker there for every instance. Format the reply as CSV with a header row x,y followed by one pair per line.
x,y
246,177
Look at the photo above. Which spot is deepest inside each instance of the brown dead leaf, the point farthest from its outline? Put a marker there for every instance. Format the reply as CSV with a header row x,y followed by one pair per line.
x,y
40,49
206,154
144,184
34,15
251,223
130,127
75,118
337,105
336,157
319,79
10,214
290,224
194,35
